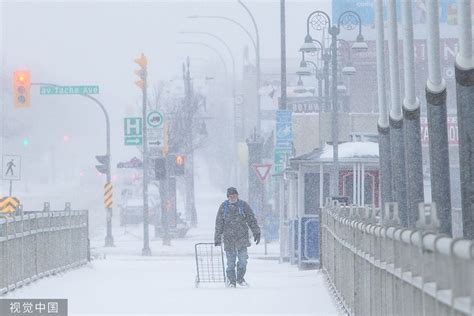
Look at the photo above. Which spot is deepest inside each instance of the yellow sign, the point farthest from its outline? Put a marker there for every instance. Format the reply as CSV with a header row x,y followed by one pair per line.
x,y
8,204
108,195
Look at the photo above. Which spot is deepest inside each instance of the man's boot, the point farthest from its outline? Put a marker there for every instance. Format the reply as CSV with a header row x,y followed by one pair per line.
x,y
240,278
230,278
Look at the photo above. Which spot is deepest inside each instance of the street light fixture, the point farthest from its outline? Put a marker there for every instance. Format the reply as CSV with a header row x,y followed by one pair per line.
x,y
308,45
303,69
360,45
348,70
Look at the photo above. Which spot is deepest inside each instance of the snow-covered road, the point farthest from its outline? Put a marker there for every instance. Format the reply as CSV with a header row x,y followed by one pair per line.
x,y
126,283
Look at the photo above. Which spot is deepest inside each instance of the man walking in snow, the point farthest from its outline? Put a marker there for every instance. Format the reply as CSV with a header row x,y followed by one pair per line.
x,y
234,218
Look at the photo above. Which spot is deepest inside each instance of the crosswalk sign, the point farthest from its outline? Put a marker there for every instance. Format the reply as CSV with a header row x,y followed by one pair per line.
x,y
11,167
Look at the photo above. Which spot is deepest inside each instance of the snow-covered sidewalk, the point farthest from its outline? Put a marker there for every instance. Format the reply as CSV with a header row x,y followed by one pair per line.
x,y
126,283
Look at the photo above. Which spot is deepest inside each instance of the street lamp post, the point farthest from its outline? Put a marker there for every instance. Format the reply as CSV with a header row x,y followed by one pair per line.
x,y
348,20
283,99
257,64
255,44
109,239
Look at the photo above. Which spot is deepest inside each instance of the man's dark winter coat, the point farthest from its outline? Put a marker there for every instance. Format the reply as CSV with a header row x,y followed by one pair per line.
x,y
234,225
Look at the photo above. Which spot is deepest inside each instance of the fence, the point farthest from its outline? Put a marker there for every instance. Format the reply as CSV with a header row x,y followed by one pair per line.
x,y
386,270
37,244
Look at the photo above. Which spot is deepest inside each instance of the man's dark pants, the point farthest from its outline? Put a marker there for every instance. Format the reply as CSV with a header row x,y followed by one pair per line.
x,y
232,255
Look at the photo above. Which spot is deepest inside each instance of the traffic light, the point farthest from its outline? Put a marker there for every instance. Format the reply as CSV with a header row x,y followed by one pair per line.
x,y
160,168
26,141
179,165
21,89
66,138
142,62
104,164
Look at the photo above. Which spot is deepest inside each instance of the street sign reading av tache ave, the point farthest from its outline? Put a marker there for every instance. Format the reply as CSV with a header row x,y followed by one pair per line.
x,y
50,90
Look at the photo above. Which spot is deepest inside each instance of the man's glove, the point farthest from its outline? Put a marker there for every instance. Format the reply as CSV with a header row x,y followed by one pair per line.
x,y
217,243
256,238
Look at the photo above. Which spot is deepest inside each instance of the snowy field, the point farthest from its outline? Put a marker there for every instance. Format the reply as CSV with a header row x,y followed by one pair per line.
x,y
123,282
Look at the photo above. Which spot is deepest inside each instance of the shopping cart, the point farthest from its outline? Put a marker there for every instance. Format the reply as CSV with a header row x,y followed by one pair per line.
x,y
209,264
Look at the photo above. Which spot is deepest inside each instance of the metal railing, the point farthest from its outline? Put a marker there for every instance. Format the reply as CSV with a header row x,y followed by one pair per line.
x,y
387,270
37,244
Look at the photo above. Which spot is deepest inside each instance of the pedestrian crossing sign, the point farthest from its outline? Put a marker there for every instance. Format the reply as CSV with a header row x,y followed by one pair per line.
x,y
11,167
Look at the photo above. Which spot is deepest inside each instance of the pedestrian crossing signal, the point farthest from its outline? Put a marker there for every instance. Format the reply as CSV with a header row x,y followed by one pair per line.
x,y
179,165
21,89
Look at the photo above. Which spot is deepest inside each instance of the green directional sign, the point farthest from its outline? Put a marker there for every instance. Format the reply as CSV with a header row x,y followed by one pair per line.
x,y
133,131
50,90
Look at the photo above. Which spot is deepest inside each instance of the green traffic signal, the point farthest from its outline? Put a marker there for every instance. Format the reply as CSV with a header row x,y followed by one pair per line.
x,y
26,142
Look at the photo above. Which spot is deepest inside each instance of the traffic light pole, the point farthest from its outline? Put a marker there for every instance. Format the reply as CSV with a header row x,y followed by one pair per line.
x,y
146,236
109,239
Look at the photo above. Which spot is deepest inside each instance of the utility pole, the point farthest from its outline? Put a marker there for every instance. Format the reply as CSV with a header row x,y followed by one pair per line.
x,y
189,171
257,63
142,61
282,105
255,149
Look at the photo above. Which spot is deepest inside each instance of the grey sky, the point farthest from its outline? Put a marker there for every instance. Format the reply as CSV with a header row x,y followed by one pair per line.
x,y
95,42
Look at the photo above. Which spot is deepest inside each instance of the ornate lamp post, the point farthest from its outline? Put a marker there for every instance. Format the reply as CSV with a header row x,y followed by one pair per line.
x,y
320,20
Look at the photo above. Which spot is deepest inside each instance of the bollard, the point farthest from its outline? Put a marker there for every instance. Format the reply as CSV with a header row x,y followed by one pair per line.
x,y
19,209
391,217
428,217
371,214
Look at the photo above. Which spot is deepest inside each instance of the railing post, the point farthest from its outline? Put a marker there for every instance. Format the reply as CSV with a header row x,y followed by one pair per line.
x,y
428,217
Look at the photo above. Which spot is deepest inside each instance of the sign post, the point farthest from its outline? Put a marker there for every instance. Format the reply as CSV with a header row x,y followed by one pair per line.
x,y
11,169
284,139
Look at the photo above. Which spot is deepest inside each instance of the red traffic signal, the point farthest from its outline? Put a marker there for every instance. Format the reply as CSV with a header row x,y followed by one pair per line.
x,y
142,62
179,160
21,89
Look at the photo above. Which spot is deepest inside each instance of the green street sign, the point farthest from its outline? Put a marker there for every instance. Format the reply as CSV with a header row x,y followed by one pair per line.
x,y
50,90
133,131
133,141
155,119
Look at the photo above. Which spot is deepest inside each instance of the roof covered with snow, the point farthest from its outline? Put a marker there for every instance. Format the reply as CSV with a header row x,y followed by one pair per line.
x,y
347,151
